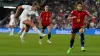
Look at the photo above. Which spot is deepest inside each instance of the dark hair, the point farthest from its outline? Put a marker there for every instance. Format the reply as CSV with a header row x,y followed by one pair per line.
x,y
79,2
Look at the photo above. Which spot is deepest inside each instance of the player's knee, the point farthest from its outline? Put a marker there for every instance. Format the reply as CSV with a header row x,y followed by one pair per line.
x,y
82,31
8,26
49,30
22,29
73,35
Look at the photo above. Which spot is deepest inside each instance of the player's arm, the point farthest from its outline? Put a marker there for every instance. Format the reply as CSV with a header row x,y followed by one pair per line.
x,y
87,13
71,16
92,16
41,14
50,17
39,18
18,10
82,24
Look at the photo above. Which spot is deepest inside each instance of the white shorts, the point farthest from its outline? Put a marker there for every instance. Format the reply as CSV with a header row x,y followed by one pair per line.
x,y
22,25
12,23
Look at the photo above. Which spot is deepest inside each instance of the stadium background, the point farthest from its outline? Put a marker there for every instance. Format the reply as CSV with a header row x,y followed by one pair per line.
x,y
12,46
60,10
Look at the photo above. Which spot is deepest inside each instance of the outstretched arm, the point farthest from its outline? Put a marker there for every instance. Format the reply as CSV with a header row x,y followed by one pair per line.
x,y
93,17
18,10
87,13
71,17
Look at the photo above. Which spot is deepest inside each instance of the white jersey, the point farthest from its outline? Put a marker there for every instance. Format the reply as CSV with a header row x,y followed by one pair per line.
x,y
12,19
27,11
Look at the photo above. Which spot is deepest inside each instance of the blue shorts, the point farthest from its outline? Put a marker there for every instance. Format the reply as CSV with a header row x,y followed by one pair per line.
x,y
75,30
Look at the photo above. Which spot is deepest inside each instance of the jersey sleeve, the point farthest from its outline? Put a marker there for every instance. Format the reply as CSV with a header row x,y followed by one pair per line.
x,y
72,13
50,14
25,6
86,13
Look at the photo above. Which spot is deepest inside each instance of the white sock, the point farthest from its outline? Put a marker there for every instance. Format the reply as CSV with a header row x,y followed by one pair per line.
x,y
9,30
82,47
19,32
12,31
36,30
23,34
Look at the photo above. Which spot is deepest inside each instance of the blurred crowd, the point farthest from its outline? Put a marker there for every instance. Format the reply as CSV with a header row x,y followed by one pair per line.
x,y
61,9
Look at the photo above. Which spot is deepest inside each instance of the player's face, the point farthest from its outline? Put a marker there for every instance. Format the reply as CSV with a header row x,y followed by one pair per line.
x,y
79,7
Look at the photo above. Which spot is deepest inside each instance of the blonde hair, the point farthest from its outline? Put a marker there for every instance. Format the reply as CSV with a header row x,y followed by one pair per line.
x,y
35,4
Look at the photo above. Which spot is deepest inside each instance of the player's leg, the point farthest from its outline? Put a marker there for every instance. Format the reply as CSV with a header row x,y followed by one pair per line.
x,y
22,27
82,39
49,33
24,33
40,41
74,31
30,23
12,29
9,27
21,30
71,42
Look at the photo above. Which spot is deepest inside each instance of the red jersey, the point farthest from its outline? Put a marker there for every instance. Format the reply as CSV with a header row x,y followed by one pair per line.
x,y
45,18
79,20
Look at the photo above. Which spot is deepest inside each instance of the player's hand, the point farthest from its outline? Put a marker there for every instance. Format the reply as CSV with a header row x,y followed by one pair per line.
x,y
81,30
74,17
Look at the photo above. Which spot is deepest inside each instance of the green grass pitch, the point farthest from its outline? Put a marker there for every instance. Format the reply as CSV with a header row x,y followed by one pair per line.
x,y
11,46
